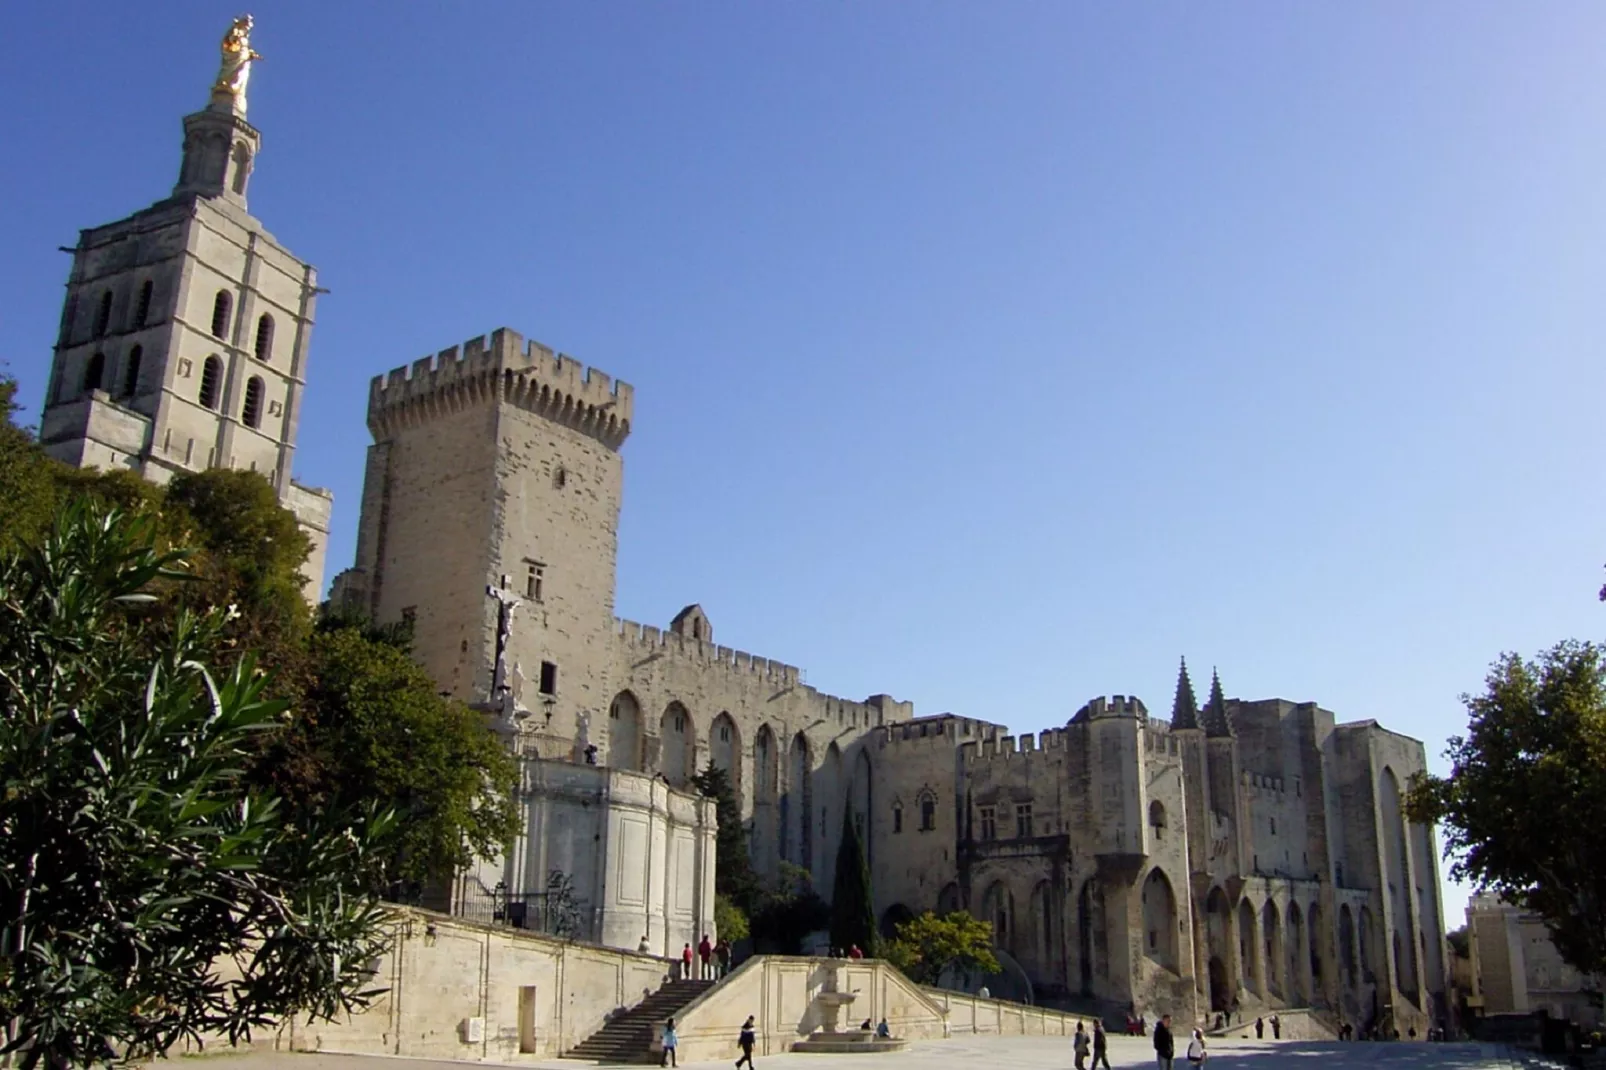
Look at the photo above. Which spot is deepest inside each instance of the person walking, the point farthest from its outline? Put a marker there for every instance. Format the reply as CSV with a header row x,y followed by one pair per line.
x,y
685,963
1101,1045
1260,1029
1079,1045
705,954
1196,1050
1276,1028
1165,1049
670,1043
746,1042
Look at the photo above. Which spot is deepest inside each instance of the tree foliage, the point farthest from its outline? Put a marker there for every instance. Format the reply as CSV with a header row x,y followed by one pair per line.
x,y
729,920
133,862
927,945
852,905
1525,802
788,911
733,866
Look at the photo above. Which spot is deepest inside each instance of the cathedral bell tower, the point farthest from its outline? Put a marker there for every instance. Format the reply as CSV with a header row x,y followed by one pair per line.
x,y
184,335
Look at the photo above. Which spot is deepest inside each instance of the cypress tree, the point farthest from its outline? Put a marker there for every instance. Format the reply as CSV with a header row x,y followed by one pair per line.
x,y
852,908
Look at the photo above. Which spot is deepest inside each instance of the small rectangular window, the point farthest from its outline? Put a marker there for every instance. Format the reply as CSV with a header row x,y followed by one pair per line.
x,y
989,824
1274,826
549,678
534,580
928,813
1023,821
897,819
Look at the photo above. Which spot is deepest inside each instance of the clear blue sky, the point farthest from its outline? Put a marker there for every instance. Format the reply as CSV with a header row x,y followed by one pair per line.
x,y
992,355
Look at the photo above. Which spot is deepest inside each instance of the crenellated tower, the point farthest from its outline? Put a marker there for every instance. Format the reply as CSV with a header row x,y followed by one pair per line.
x,y
184,334
496,465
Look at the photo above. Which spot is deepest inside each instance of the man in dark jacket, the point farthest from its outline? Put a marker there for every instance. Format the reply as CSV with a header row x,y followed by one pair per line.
x,y
1164,1048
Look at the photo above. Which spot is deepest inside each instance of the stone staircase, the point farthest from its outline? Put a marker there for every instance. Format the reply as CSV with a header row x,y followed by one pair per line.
x,y
629,1037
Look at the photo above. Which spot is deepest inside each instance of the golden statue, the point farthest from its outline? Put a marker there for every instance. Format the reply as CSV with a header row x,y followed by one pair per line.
x,y
236,68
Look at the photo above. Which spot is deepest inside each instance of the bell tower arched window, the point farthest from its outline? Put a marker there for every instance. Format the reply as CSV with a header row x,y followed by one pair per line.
x,y
142,312
264,342
103,315
252,412
131,371
220,315
211,382
95,372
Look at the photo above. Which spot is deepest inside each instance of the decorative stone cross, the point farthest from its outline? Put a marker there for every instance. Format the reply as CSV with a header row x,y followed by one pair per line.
x,y
507,602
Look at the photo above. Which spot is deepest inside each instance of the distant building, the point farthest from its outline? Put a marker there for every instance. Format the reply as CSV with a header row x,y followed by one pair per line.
x,y
1516,968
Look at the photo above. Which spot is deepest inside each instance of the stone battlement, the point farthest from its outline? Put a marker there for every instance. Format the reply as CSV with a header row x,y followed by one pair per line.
x,y
1004,748
1114,706
942,729
660,641
503,368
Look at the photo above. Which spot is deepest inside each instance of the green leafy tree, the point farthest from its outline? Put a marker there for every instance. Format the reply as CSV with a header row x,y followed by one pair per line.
x,y
789,911
852,905
1525,802
375,728
733,866
27,477
132,860
928,945
729,920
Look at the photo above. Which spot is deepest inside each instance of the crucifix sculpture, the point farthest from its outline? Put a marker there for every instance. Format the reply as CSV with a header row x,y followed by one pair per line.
x,y
507,602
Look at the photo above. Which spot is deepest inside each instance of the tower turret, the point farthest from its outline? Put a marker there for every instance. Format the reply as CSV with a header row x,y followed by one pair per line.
x,y
1184,708
1216,722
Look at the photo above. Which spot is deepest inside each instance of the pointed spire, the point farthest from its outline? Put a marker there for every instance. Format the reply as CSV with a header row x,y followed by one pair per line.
x,y
1184,708
1215,710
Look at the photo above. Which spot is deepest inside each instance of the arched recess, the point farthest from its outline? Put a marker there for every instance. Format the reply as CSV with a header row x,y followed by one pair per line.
x,y
95,372
221,305
828,798
948,898
998,909
1220,950
1272,930
862,798
1157,819
1160,920
798,804
1093,960
764,845
1371,956
624,732
1316,941
1039,949
676,738
1248,958
725,749
1346,945
1397,860
896,915
1296,954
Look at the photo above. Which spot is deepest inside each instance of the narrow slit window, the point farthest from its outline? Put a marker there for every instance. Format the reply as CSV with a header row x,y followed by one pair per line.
x,y
549,678
103,317
95,372
264,342
131,371
143,313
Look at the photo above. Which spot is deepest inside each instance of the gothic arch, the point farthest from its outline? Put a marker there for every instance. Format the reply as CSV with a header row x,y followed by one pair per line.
x,y
1040,912
1160,937
765,841
1370,956
797,837
1297,956
725,748
1157,819
211,382
1221,960
677,742
131,371
1272,930
829,796
221,304
251,411
860,799
1315,944
1093,960
264,339
1397,868
1248,958
894,916
998,910
624,732
95,372
1346,945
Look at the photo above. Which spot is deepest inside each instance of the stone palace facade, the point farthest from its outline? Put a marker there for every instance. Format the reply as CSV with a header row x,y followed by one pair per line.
x,y
1241,854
